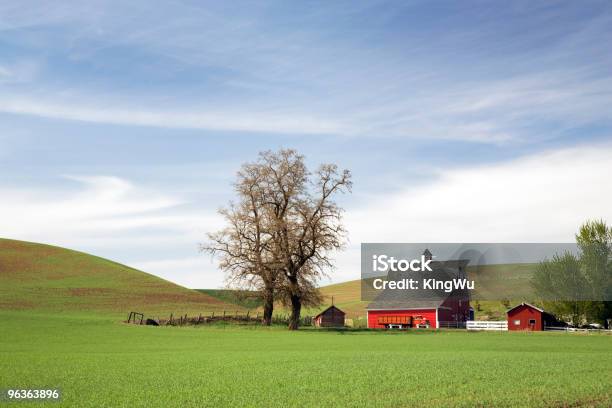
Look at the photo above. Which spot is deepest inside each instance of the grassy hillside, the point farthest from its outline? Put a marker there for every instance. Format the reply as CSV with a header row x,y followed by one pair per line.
x,y
246,299
44,277
496,281
48,278
347,296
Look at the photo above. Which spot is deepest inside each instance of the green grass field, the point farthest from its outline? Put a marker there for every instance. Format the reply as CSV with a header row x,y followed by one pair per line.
x,y
61,315
100,362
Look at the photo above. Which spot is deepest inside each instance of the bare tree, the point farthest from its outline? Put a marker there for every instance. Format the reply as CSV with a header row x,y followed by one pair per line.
x,y
243,247
282,232
304,220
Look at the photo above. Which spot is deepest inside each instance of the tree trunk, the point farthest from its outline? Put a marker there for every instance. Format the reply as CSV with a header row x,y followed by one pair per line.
x,y
268,307
296,304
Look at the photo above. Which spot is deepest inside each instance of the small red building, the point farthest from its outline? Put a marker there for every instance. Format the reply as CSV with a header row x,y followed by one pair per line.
x,y
330,317
529,317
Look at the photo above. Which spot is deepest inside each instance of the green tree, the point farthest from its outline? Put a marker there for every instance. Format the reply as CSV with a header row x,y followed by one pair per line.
x,y
594,239
578,287
560,284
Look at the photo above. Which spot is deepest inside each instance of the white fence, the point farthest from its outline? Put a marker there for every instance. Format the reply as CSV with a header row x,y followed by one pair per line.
x,y
576,330
486,325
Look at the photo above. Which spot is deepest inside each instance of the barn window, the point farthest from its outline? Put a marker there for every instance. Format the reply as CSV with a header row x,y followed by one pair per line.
x,y
532,322
517,322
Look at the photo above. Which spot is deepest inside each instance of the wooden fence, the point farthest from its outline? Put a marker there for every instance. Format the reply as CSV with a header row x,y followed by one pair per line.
x,y
487,325
451,325
216,317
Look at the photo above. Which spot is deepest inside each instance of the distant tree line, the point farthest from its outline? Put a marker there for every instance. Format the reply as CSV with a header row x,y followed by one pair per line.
x,y
281,230
578,287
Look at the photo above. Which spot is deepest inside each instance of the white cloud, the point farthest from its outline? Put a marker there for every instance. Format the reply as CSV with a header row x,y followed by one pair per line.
x,y
112,217
198,272
101,200
540,198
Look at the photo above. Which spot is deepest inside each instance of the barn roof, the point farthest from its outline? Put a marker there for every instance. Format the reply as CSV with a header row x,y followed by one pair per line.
x,y
329,308
422,299
528,305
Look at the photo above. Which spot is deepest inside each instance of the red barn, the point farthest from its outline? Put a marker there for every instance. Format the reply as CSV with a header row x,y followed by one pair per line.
x,y
330,317
529,317
400,309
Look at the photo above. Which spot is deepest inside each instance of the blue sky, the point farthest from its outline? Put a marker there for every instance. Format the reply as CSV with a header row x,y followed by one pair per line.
x,y
122,125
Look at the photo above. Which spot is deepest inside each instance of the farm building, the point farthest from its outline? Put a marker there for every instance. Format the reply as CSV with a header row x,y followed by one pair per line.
x,y
401,309
330,317
530,317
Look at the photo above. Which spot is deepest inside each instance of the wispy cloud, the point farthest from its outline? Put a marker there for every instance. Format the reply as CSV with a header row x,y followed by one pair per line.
x,y
479,75
256,122
514,109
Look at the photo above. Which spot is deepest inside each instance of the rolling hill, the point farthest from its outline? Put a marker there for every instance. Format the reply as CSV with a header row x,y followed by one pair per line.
x,y
347,296
40,277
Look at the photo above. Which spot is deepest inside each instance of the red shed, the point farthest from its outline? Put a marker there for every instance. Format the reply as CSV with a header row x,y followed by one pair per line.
x,y
529,317
401,309
330,317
